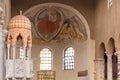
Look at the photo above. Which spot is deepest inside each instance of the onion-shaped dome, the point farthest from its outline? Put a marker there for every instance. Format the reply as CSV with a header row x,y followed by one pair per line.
x,y
19,26
19,21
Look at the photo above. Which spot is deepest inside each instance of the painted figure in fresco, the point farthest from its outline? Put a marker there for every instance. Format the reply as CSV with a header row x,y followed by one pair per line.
x,y
70,31
49,23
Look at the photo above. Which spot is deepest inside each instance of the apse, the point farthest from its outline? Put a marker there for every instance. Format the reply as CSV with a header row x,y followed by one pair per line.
x,y
55,23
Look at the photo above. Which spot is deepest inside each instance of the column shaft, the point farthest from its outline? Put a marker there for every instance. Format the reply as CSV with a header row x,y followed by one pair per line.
x,y
1,53
29,53
118,69
109,67
117,53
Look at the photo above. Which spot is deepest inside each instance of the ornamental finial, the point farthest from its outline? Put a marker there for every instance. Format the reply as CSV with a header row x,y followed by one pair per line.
x,y
20,12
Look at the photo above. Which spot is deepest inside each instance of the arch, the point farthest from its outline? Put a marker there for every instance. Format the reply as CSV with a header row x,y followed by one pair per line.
x,y
102,50
103,56
79,15
111,50
110,46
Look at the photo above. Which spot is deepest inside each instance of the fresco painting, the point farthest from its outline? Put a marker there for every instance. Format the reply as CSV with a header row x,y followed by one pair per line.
x,y
48,23
54,23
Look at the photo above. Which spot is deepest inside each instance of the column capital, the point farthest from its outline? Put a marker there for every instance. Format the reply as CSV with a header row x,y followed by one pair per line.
x,y
117,53
109,55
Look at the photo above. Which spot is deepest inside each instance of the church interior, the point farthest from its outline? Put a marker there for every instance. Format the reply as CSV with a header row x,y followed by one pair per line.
x,y
59,40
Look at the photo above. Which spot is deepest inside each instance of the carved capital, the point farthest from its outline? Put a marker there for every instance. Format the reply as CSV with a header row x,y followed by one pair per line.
x,y
109,55
117,53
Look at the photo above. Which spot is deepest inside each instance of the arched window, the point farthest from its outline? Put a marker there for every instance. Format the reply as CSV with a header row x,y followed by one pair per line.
x,y
69,58
45,59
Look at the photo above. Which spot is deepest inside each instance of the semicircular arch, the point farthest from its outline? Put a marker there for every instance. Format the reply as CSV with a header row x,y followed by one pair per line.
x,y
111,46
76,12
102,50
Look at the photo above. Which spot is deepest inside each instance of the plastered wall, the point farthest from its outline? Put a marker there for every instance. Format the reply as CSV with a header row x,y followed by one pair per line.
x,y
82,59
106,23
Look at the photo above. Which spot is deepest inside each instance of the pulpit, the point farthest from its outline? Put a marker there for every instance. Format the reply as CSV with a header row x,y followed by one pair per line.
x,y
19,30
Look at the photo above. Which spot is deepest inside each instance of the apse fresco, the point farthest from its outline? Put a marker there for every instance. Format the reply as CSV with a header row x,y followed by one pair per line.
x,y
70,30
48,23
55,23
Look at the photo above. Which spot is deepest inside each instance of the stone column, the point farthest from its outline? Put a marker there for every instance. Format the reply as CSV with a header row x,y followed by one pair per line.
x,y
24,60
14,57
1,53
109,66
117,53
24,49
1,46
99,69
29,53
14,52
8,52
4,34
